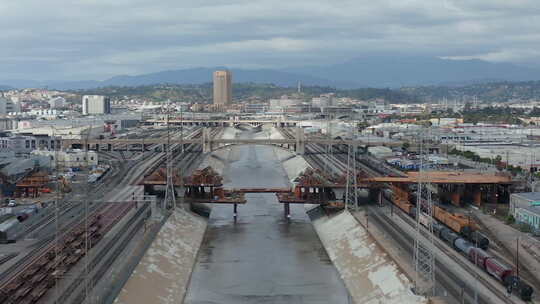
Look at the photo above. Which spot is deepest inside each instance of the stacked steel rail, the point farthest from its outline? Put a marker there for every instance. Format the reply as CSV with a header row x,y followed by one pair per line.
x,y
38,274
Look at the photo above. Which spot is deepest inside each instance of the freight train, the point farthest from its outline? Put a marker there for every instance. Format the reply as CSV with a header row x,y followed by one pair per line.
x,y
459,223
481,259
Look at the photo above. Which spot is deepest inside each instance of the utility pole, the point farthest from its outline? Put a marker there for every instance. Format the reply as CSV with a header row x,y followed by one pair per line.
x,y
348,178
517,256
182,128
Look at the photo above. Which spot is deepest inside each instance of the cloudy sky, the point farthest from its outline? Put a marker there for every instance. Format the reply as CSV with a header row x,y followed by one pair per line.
x,y
96,39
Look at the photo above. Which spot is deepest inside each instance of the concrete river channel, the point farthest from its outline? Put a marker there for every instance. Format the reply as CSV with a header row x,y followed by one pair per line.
x,y
262,257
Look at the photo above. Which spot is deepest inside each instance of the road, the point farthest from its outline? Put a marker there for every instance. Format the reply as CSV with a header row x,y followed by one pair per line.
x,y
262,258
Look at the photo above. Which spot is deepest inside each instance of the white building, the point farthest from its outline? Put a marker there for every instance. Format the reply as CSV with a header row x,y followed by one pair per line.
x,y
7,106
57,102
323,101
525,207
71,158
96,105
279,105
65,132
526,157
25,144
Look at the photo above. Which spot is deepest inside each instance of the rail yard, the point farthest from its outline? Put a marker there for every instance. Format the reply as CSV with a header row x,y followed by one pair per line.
x,y
66,252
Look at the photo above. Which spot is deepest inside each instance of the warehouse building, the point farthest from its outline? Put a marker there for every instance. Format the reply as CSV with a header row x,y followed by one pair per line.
x,y
525,207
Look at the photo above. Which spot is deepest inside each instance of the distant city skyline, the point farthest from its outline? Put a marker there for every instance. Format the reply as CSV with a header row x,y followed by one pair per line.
x,y
66,40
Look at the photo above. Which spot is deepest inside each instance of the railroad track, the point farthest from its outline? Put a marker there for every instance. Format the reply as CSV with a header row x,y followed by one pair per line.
x,y
48,244
29,265
406,242
66,258
45,245
49,219
123,233
339,162
453,255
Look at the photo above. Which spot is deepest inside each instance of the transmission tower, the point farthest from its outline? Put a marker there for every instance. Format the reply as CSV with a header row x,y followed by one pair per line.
x,y
329,149
170,200
351,188
424,259
351,180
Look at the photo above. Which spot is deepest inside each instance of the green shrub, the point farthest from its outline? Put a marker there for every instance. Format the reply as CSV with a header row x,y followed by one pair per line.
x,y
510,219
524,227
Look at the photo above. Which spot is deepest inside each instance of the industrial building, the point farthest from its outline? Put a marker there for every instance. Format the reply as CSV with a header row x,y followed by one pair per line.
x,y
96,105
70,158
13,170
524,156
19,144
283,104
222,88
525,207
66,132
323,101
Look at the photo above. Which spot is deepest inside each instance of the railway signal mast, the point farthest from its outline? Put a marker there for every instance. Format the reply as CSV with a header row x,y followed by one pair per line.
x,y
424,259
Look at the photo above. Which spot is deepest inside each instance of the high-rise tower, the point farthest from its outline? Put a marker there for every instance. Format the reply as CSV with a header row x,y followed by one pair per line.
x,y
222,88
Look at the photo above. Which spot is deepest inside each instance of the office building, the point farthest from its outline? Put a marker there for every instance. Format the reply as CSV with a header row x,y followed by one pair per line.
x,y
57,102
222,88
7,106
96,105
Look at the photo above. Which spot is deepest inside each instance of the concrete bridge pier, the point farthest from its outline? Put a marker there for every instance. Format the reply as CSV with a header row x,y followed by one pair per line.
x,y
206,140
300,141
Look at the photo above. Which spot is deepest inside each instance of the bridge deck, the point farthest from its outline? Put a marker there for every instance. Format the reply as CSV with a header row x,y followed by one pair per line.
x,y
262,190
215,201
443,177
291,141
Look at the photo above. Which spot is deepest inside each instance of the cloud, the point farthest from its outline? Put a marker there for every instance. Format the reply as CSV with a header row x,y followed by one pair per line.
x,y
84,39
504,55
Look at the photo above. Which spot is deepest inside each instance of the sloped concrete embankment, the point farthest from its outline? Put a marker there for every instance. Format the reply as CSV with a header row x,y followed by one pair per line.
x,y
369,274
163,274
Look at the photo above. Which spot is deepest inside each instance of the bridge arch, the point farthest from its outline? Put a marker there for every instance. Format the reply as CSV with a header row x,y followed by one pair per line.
x,y
286,147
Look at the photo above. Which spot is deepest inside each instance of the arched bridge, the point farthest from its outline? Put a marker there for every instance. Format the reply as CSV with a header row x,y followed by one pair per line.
x,y
225,122
209,144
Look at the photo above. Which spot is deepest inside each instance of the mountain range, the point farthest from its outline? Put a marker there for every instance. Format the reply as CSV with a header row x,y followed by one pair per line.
x,y
371,71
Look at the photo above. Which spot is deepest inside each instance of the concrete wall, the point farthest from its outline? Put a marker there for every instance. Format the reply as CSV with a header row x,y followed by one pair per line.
x,y
369,274
163,274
